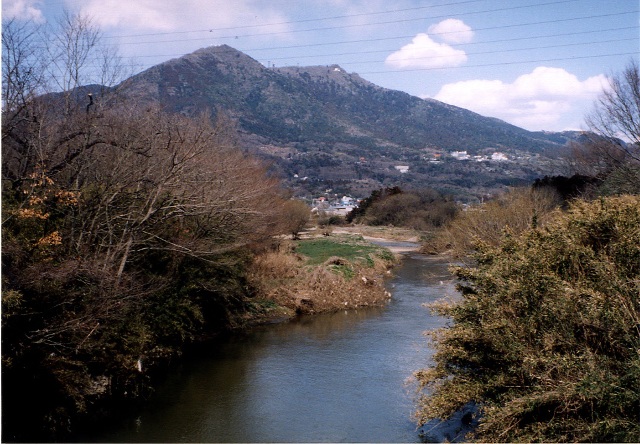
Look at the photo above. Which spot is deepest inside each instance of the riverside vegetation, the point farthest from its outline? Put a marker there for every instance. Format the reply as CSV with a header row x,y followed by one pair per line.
x,y
320,275
544,340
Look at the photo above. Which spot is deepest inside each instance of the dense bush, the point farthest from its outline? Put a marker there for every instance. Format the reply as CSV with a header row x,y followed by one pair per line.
x,y
125,235
567,188
358,213
546,337
517,210
419,210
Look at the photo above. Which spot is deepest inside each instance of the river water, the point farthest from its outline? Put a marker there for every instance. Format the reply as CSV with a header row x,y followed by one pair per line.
x,y
340,377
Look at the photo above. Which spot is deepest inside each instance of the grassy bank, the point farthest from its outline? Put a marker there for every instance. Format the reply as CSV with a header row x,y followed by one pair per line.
x,y
320,275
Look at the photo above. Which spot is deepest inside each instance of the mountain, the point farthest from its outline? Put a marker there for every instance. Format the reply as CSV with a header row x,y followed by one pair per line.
x,y
337,129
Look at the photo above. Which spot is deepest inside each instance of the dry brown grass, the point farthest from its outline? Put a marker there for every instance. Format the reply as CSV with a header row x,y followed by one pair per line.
x,y
284,279
515,211
380,232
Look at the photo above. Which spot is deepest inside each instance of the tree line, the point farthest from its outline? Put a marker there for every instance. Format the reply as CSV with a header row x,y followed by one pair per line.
x,y
421,209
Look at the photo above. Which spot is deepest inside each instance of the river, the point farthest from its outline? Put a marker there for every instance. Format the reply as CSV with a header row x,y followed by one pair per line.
x,y
339,377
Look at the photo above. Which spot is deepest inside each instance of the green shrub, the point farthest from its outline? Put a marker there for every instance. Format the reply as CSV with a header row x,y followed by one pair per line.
x,y
546,337
419,209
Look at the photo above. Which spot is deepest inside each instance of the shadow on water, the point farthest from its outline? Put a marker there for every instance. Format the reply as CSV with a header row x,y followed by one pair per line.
x,y
453,429
339,377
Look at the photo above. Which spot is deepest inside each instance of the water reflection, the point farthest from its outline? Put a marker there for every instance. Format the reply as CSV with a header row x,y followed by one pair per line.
x,y
336,377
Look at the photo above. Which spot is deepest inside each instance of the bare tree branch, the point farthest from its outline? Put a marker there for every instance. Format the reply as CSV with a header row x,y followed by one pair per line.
x,y
616,116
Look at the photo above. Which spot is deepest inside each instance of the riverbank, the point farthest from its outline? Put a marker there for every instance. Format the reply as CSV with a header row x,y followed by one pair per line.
x,y
332,377
280,285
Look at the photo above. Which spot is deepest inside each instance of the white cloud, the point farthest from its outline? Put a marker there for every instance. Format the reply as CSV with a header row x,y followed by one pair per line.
x,y
423,52
452,31
545,99
22,10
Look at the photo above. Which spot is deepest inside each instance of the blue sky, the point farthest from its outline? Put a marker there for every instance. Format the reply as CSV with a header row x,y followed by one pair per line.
x,y
538,64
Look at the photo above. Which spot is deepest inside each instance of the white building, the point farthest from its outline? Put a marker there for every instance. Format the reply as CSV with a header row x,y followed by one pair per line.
x,y
460,155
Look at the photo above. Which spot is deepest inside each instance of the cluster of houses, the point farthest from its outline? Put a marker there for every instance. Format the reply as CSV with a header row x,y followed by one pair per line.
x,y
333,207
495,157
459,155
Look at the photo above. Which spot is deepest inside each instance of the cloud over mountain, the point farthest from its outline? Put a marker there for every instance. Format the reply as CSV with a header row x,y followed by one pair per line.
x,y
536,100
424,52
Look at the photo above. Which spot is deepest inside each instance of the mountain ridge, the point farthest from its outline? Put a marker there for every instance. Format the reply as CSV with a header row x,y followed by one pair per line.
x,y
325,113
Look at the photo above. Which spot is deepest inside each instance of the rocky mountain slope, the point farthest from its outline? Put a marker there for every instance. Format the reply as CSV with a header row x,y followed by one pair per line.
x,y
337,130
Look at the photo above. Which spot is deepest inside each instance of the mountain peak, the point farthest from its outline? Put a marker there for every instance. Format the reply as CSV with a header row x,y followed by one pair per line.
x,y
223,54
327,123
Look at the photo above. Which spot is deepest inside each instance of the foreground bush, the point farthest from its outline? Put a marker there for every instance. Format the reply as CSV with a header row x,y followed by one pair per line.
x,y
546,338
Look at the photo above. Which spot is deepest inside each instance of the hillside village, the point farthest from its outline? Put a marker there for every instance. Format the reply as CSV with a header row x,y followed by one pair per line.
x,y
469,176
332,205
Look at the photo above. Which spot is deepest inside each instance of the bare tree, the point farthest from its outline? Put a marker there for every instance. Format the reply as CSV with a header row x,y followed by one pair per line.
x,y
594,157
617,112
39,59
169,183
22,64
72,47
296,216
611,152
45,119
